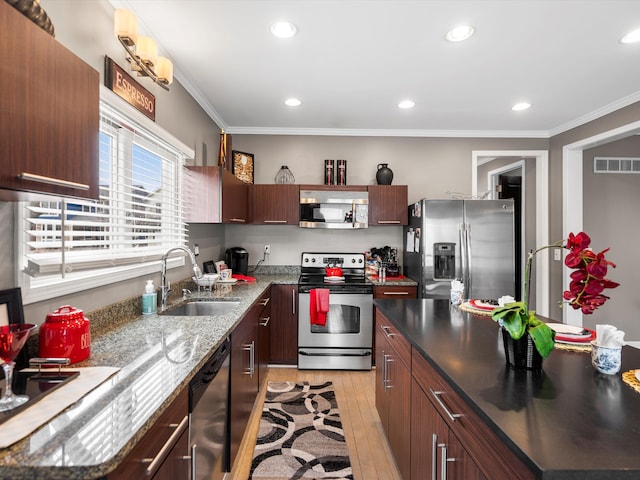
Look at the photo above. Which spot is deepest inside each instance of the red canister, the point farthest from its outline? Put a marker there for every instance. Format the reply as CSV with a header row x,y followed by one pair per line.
x,y
65,334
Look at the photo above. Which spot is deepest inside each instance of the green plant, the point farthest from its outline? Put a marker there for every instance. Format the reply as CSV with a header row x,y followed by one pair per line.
x,y
585,292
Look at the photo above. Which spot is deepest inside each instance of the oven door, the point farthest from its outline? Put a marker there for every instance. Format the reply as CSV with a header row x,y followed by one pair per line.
x,y
346,339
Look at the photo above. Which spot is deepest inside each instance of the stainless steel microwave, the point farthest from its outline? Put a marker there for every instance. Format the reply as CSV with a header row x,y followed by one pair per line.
x,y
334,209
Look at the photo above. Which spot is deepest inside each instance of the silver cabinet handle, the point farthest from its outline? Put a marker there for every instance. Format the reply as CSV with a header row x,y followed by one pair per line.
x,y
389,222
252,357
434,459
249,348
384,370
193,461
443,461
265,301
395,293
293,301
155,462
238,220
53,181
266,321
436,395
387,384
387,331
274,221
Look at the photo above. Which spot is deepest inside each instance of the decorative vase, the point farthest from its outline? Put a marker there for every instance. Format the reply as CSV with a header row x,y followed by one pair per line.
x,y
384,175
284,176
521,353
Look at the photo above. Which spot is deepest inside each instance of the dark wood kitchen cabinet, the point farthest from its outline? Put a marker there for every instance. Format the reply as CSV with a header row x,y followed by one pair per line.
x,y
471,450
49,119
388,205
163,452
393,390
244,375
395,291
275,204
284,326
265,326
214,195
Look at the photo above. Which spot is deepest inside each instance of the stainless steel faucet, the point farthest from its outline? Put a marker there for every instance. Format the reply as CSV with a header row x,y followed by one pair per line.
x,y
165,287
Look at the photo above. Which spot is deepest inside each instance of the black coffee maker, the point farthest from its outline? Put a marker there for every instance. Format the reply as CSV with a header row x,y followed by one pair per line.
x,y
237,259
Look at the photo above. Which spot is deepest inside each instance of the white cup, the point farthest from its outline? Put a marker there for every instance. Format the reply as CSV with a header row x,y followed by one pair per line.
x,y
606,359
225,274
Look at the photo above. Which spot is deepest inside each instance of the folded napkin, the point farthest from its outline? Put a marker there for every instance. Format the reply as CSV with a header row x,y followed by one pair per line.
x,y
457,286
243,278
609,336
41,412
502,301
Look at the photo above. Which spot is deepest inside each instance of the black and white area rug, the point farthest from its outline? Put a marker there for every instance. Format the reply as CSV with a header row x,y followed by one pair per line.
x,y
300,435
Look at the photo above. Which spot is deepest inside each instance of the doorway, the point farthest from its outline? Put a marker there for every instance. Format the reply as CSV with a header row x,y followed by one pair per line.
x,y
510,186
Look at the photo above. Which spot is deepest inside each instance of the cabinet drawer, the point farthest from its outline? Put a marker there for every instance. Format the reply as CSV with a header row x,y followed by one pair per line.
x,y
158,445
395,291
396,340
485,448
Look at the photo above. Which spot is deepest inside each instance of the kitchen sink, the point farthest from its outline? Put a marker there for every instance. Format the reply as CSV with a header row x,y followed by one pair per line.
x,y
203,308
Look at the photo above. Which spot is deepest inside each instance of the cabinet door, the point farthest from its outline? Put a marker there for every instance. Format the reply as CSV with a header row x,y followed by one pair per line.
x,y
275,204
49,119
399,427
244,380
161,453
395,291
388,205
382,398
234,199
284,324
264,336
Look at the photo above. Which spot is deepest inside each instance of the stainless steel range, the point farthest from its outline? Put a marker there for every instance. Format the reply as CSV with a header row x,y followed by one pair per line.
x,y
335,328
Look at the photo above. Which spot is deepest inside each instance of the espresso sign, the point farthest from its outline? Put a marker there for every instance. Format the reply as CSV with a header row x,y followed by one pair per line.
x,y
122,84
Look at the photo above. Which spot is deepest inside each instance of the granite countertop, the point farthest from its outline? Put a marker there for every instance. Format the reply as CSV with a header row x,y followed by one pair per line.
x,y
567,422
392,281
157,355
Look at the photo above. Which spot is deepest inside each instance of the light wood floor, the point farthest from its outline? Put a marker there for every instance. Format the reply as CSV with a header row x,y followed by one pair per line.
x,y
369,451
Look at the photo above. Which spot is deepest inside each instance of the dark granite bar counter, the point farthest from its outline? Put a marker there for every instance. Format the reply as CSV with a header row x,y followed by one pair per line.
x,y
567,422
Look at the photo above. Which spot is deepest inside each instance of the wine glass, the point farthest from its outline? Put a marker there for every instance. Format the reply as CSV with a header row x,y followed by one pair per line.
x,y
12,339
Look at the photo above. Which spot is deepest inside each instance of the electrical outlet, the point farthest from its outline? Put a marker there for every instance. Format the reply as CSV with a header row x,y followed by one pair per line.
x,y
267,249
557,254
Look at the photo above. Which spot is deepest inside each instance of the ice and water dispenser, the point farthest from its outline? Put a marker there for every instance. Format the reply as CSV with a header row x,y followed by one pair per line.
x,y
444,261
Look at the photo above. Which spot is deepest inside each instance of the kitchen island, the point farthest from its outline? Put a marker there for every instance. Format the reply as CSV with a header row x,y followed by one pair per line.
x,y
157,355
567,422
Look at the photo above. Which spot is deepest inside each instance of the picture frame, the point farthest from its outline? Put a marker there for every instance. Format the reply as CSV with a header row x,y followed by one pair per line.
x,y
12,312
242,165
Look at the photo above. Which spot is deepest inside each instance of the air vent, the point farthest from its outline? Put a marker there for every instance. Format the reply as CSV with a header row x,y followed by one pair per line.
x,y
616,165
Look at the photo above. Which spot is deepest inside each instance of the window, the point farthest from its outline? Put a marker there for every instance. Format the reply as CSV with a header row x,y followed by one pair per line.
x,y
70,245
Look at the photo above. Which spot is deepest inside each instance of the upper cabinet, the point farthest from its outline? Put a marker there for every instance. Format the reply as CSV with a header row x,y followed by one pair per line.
x,y
388,205
49,115
214,195
275,204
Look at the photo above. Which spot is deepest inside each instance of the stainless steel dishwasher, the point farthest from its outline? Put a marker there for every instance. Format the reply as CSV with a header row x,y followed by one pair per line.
x,y
208,419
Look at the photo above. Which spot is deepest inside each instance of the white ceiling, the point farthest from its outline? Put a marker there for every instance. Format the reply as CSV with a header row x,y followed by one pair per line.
x,y
352,61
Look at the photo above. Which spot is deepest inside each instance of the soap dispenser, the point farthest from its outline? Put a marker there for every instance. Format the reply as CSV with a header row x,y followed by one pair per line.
x,y
149,299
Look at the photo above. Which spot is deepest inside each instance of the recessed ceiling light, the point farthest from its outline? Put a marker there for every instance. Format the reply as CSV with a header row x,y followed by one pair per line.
x,y
631,37
406,104
283,29
292,102
520,106
459,33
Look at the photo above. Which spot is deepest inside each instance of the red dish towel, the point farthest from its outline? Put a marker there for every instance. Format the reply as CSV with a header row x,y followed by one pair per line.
x,y
318,306
243,278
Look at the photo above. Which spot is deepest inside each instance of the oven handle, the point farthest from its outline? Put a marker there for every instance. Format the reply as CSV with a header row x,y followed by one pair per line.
x,y
363,354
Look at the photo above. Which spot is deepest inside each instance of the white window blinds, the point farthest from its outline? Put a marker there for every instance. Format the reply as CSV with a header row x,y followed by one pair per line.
x,y
137,218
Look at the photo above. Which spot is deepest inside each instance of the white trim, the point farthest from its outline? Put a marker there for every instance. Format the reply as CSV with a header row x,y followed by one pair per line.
x,y
358,132
542,213
492,181
572,195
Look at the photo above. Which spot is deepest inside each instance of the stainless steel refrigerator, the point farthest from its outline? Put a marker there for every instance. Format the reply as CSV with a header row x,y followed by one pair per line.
x,y
469,240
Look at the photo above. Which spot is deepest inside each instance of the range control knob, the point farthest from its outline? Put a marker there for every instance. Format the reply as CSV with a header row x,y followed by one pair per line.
x,y
306,260
359,260
313,260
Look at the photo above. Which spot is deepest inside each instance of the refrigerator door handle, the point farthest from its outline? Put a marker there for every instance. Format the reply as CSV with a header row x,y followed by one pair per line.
x,y
464,259
467,284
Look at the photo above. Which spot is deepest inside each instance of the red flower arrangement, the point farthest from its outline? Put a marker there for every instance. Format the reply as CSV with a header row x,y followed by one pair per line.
x,y
587,281
585,292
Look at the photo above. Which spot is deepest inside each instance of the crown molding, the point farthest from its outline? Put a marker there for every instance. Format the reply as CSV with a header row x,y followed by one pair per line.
x,y
355,132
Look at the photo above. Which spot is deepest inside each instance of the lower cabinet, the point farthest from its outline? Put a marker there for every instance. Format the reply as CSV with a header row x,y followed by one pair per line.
x,y
163,453
244,379
284,325
264,335
435,451
393,390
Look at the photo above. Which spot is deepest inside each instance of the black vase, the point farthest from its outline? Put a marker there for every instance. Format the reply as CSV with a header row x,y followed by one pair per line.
x,y
521,353
384,175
